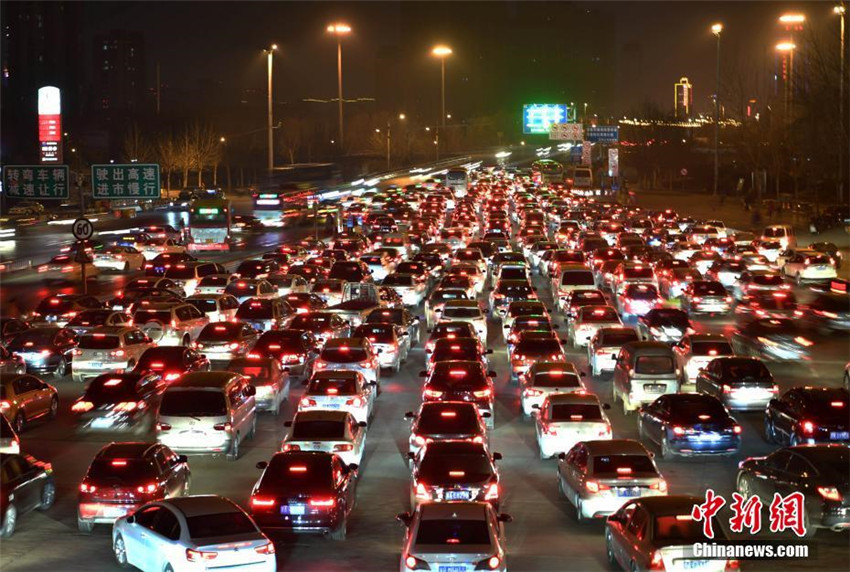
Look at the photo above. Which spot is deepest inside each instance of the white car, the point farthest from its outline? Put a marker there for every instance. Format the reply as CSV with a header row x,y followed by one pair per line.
x,y
466,311
328,431
217,307
215,283
109,348
809,265
438,298
770,249
183,534
694,352
543,379
411,288
119,258
289,284
471,271
338,390
588,321
170,324
329,290
152,248
564,419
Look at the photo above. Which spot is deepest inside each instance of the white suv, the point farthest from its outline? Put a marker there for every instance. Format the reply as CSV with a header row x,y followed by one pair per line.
x,y
170,324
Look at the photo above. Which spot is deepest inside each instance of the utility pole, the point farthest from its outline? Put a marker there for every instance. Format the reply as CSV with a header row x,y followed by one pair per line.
x,y
842,144
158,88
716,29
269,54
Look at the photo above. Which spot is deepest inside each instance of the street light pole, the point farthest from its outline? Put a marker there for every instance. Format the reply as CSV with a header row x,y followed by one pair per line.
x,y
339,30
716,29
269,53
841,11
441,52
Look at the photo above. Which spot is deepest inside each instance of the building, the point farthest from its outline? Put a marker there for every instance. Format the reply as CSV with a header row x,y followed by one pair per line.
x,y
683,98
118,72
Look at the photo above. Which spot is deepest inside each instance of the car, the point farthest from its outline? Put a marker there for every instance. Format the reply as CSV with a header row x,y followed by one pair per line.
x,y
153,283
563,419
695,351
88,320
339,390
351,271
392,348
604,347
224,341
65,268
637,299
329,290
108,348
781,232
59,309
752,280
25,398
296,350
819,472
727,272
118,258
155,246
170,362
689,424
326,431
438,298
522,308
571,278
11,327
660,533
471,271
464,349
256,269
304,302
643,371
461,381
468,534
766,304
808,415
268,377
827,312
169,323
407,323
781,339
706,297
379,263
10,443
217,307
246,288
633,273
45,349
507,291
305,491
740,383
410,287
543,379
192,530
582,298
11,362
588,320
215,283
533,346
447,470
124,476
119,403
598,476
667,325
323,325
702,260
157,265
207,412
466,311
353,354
809,265
445,420
27,484
188,275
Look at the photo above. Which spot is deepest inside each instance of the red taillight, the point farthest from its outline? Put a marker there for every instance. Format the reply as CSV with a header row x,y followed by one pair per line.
x,y
307,402
344,447
422,492
410,562
163,427
265,549
493,562
830,493
433,393
595,487
737,429
79,406
356,402
262,502
678,430
660,486
87,488
323,502
483,393
656,563
77,352
222,426
149,488
198,556
233,345
290,447
492,492
732,564
808,427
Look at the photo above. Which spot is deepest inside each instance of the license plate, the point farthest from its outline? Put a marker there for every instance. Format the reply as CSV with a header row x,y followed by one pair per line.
x,y
331,405
101,423
839,435
628,492
95,364
694,564
654,388
293,509
457,495
114,511
452,569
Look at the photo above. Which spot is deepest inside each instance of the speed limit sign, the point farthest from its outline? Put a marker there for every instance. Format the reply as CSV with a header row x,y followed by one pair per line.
x,y
82,229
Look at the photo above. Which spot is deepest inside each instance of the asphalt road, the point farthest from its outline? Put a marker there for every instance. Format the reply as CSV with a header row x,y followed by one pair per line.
x,y
543,536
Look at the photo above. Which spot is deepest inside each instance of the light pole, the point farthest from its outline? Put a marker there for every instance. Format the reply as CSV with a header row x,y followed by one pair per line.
x,y
401,117
841,11
441,52
716,29
269,52
793,23
339,30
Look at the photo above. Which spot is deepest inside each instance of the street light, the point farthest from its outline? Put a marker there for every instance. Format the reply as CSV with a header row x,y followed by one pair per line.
x,y
716,29
401,117
269,52
792,18
841,11
339,30
442,52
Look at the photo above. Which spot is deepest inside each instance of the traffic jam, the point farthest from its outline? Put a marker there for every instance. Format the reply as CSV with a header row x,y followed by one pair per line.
x,y
626,347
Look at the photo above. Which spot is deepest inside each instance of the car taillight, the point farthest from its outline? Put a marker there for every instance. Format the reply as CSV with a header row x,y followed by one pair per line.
x,y
233,345
737,429
323,502
727,388
78,407
290,447
808,427
45,353
222,426
117,353
492,492
147,489
605,431
678,430
307,402
656,563
422,492
128,406
660,486
433,393
77,352
356,402
483,393
262,502
531,392
199,556
87,488
732,564
595,486
265,549
171,376
163,427
343,447
830,493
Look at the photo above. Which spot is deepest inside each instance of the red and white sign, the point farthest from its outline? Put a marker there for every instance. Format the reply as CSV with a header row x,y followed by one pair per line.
x,y
585,152
50,124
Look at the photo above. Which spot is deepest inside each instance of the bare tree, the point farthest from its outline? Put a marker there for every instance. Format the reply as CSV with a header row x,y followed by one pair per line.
x,y
136,147
168,156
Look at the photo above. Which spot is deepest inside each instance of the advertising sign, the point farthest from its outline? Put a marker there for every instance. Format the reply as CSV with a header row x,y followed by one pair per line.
x,y
566,131
131,181
575,154
50,125
537,117
603,134
36,181
613,163
585,152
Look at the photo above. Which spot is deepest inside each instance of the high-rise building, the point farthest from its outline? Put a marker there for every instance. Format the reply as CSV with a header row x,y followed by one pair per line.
x,y
118,74
683,98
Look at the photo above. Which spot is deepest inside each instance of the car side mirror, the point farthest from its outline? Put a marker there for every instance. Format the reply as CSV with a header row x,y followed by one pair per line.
x,y
404,517
379,351
409,415
287,423
504,518
606,406
507,327
582,374
562,456
353,466
491,374
262,465
489,351
182,459
411,456
131,519
563,341
497,456
423,373
486,415
362,424
250,391
536,406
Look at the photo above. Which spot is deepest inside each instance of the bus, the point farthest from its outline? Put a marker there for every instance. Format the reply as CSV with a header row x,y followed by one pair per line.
x,y
209,224
292,190
457,178
546,171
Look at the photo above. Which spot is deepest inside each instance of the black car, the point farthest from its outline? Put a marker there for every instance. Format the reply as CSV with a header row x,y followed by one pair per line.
x,y
454,471
808,415
305,491
25,484
820,472
124,476
295,349
772,338
401,317
767,304
739,382
11,327
689,424
170,362
61,308
162,262
119,402
47,349
664,325
461,381
827,312
445,420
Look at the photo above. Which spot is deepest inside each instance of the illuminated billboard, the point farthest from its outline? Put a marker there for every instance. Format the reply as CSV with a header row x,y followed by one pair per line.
x,y
536,117
50,125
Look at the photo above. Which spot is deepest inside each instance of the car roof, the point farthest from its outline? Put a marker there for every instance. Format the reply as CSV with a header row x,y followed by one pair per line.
x,y
649,348
577,398
200,505
615,447
204,379
115,330
464,510
322,415
131,450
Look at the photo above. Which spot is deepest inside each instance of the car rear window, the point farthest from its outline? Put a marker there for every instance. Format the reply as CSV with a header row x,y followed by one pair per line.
x,y
538,347
699,409
556,378
642,272
327,286
301,473
577,278
712,348
220,332
462,312
641,292
654,365
608,464
255,371
514,290
344,354
680,529
513,273
203,304
768,280
99,342
618,338
310,322
376,333
575,412
213,281
255,309
193,403
333,386
90,318
709,289
600,315
398,280
221,524
461,467
180,272
317,429
445,420
122,471
452,532
28,339
54,306
145,316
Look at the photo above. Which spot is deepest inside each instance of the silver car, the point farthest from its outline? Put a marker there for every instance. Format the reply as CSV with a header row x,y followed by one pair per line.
x,y
461,535
109,348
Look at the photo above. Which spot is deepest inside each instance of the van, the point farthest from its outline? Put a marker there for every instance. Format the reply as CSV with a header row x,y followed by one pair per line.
x,y
188,274
643,372
573,277
208,412
580,177
784,233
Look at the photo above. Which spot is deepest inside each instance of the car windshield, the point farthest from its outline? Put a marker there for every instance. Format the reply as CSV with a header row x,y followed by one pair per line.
x,y
193,403
654,365
556,378
99,342
720,348
454,467
445,420
680,529
576,412
577,278
325,385
305,430
452,532
609,464
449,312
220,525
121,471
145,316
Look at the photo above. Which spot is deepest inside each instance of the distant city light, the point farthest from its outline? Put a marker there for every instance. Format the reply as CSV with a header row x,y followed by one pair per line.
x,y
441,51
716,29
792,18
339,28
785,46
